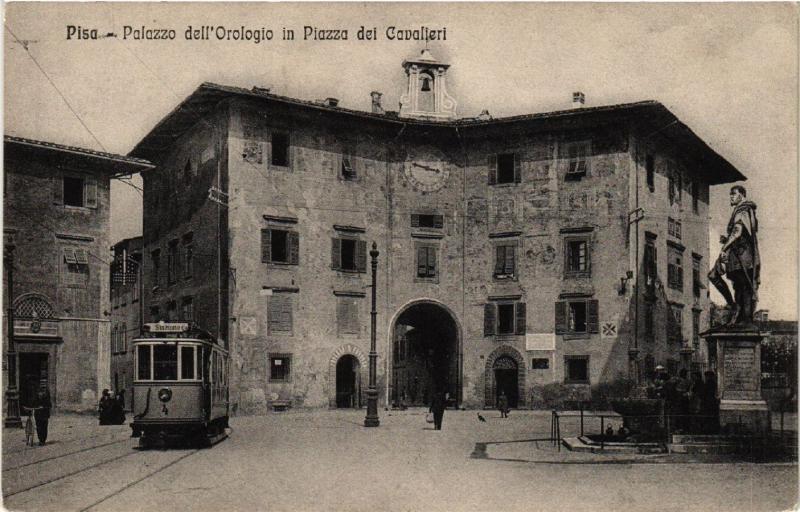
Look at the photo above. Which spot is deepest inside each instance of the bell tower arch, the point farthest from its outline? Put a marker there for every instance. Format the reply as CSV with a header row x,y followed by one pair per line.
x,y
426,96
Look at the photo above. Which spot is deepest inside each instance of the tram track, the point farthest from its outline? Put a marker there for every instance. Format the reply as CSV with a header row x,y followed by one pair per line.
x,y
47,459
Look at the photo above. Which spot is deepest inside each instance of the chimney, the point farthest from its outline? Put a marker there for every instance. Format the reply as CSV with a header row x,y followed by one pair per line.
x,y
331,102
376,102
485,115
578,99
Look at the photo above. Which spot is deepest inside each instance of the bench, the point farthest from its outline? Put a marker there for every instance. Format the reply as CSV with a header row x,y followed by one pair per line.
x,y
280,405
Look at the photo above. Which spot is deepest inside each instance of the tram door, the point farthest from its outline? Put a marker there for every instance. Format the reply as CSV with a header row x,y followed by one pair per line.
x,y
33,372
205,354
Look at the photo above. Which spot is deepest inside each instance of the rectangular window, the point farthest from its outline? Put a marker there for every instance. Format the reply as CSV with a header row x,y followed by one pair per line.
x,y
650,168
187,363
577,316
73,191
143,362
504,168
432,221
648,319
280,149
188,255
279,314
675,186
349,254
504,318
577,256
165,362
675,268
187,307
696,329
675,327
674,227
172,262
578,158
280,246
155,260
347,315
348,169
426,261
650,266
75,267
279,368
576,369
505,261
695,196
540,363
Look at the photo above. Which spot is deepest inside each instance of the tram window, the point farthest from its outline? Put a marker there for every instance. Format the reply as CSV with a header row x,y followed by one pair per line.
x,y
165,362
187,363
143,355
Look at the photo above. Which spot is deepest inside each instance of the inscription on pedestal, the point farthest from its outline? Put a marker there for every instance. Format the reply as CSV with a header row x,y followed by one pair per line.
x,y
740,371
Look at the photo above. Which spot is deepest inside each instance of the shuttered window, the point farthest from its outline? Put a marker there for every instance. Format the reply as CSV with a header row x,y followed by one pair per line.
x,y
505,260
279,314
675,268
576,369
578,159
577,317
280,246
347,315
504,168
280,149
650,169
349,254
577,256
74,267
426,261
280,367
433,221
504,318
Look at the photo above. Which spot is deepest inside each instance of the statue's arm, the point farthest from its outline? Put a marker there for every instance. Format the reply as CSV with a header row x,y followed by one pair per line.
x,y
735,234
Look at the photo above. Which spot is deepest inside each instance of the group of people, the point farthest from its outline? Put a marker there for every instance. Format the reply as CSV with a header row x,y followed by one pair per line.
x,y
111,409
690,401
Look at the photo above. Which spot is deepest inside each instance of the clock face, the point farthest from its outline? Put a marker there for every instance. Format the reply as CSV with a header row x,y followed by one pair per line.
x,y
426,170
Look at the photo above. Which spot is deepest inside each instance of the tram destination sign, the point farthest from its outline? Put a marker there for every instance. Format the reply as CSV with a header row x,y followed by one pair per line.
x,y
168,327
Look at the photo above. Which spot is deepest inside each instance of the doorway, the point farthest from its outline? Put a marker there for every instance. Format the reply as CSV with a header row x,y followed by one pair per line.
x,y
348,383
506,378
425,356
33,375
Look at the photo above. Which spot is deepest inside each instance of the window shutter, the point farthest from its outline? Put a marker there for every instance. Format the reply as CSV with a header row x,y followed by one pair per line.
x,y
431,262
422,261
492,164
361,255
521,319
266,245
90,193
561,317
592,317
517,169
336,253
414,220
509,264
438,221
499,261
294,247
58,189
489,318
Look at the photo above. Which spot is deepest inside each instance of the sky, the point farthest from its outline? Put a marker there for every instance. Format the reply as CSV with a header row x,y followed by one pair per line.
x,y
727,70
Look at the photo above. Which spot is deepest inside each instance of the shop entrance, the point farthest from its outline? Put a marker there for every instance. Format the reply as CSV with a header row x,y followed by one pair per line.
x,y
506,377
425,356
33,374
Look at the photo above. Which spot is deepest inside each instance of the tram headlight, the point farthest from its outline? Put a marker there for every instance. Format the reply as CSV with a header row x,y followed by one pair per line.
x,y
165,394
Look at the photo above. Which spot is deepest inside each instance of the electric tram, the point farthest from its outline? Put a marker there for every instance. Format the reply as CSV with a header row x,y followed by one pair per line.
x,y
180,386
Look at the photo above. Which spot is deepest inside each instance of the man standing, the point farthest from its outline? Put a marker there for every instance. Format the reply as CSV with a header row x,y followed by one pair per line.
x,y
739,259
437,408
42,414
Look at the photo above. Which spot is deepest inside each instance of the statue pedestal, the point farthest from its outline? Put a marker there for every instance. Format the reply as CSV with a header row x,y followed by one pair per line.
x,y
742,409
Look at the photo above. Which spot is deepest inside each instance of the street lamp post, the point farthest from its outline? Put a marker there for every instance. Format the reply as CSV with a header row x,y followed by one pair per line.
x,y
372,393
12,394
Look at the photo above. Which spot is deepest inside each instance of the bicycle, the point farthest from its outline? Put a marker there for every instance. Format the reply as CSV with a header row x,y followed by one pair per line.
x,y
30,427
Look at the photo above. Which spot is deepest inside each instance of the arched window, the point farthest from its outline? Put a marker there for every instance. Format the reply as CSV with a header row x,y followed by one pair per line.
x,y
33,306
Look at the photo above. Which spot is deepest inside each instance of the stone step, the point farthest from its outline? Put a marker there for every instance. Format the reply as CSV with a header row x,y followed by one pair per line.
x,y
702,438
704,448
583,444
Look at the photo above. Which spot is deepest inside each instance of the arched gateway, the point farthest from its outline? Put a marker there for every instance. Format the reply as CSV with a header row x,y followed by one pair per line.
x,y
426,354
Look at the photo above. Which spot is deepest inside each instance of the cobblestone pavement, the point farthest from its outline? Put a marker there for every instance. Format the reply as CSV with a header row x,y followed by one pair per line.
x,y
326,460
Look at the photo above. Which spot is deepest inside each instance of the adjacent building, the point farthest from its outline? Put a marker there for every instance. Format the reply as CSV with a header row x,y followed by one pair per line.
x,y
56,225
126,312
538,255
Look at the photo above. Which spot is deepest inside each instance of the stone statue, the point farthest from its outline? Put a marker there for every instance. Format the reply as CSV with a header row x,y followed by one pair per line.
x,y
739,259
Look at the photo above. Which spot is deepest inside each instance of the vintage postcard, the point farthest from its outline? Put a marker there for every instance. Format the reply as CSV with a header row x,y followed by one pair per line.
x,y
400,256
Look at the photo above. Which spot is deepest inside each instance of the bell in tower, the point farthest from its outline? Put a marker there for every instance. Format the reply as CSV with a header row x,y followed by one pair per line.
x,y
426,96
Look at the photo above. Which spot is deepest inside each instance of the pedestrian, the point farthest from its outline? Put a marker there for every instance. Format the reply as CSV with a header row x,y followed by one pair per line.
x,y
437,408
104,408
42,414
710,405
118,409
682,399
502,404
696,387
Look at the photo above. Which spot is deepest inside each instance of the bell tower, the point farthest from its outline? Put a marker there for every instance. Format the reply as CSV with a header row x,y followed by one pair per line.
x,y
426,96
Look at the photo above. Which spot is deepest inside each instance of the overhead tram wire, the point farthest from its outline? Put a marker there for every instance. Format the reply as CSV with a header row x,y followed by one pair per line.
x,y
64,99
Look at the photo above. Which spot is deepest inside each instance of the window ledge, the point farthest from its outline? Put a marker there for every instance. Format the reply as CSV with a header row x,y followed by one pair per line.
x,y
577,336
281,264
432,280
578,382
505,277
577,275
273,167
504,185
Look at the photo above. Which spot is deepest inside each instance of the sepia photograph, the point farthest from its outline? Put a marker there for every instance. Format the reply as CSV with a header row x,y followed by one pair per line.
x,y
400,256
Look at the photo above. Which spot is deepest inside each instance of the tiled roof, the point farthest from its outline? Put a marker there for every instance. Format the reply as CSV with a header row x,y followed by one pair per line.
x,y
91,153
